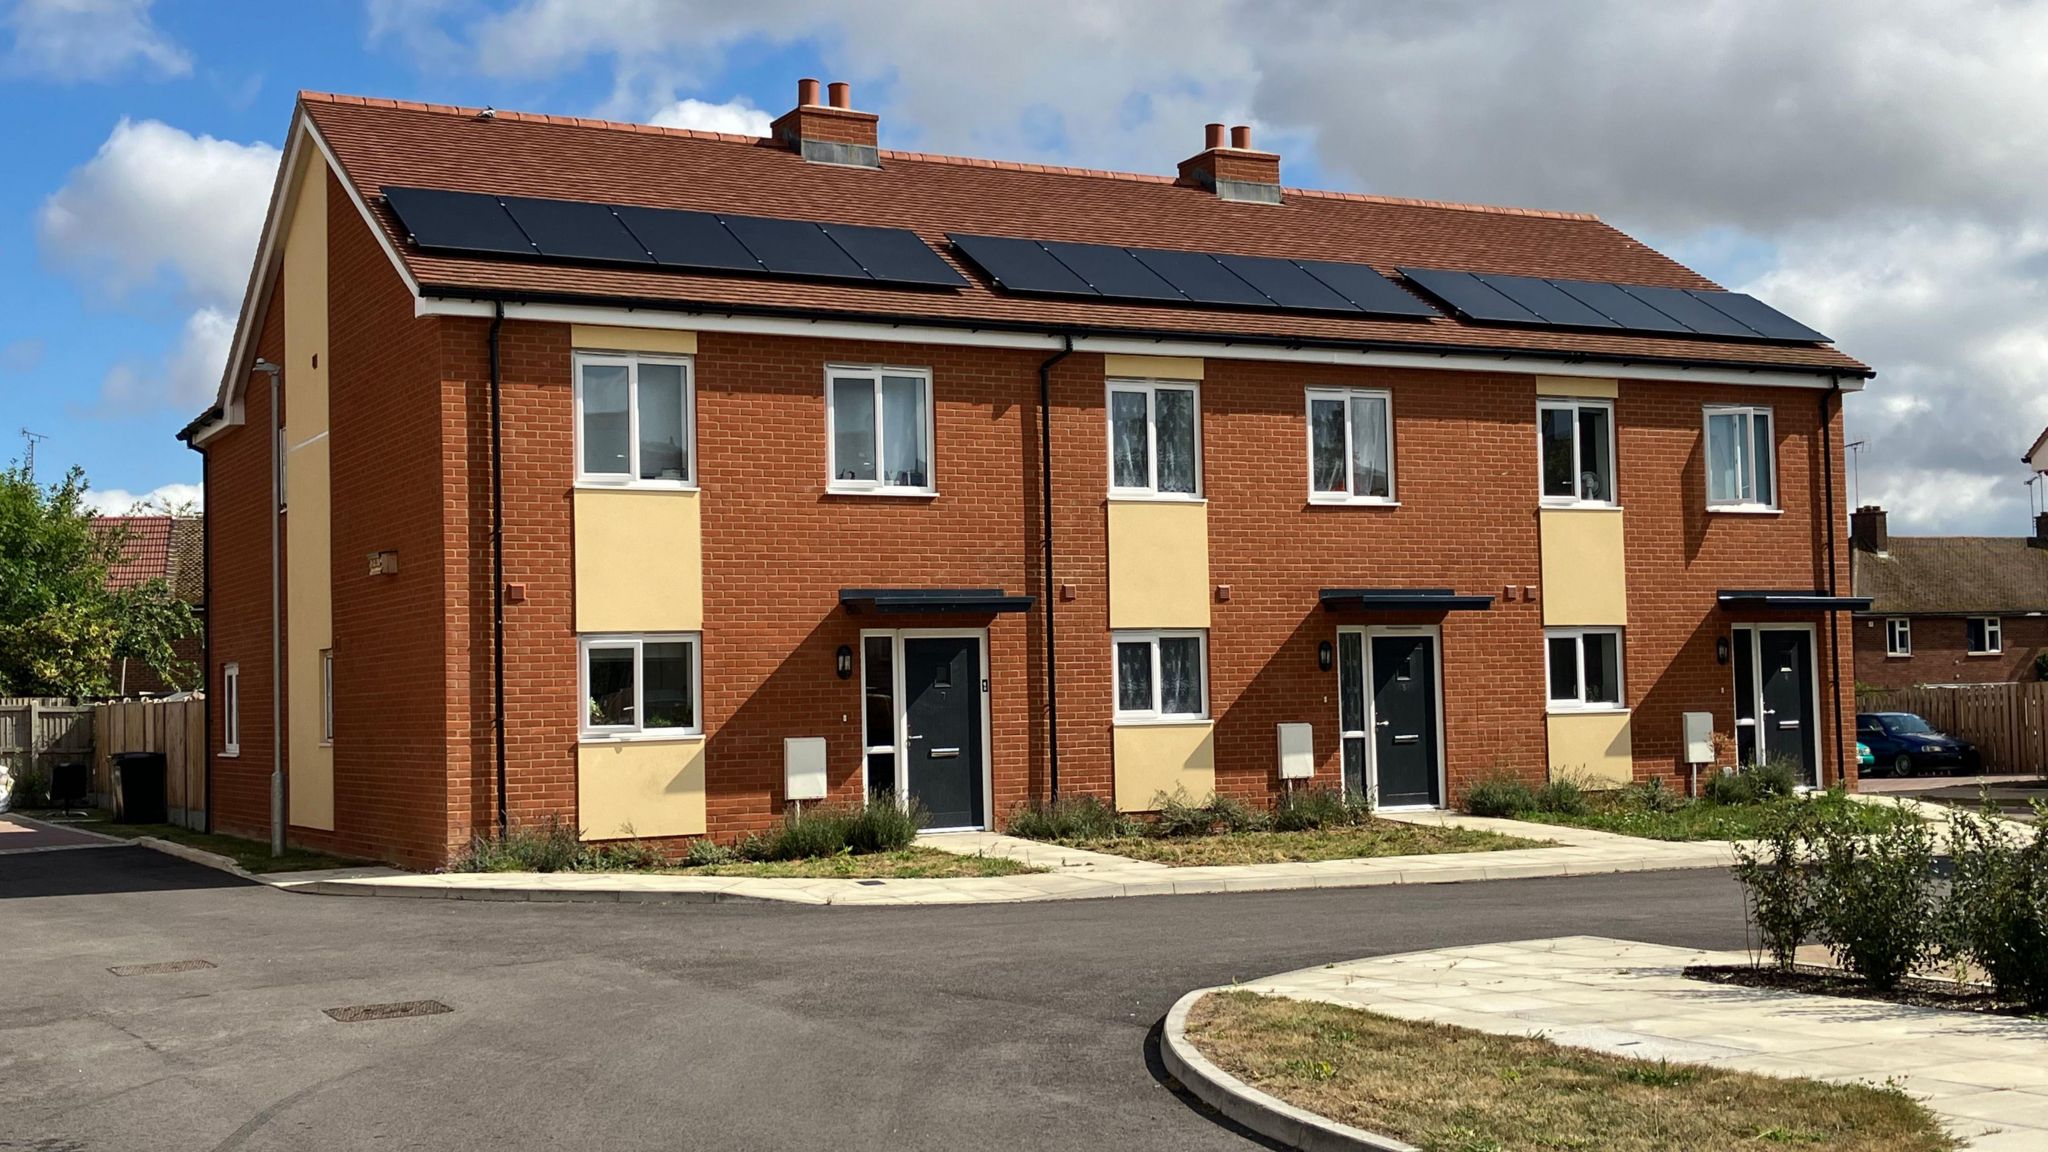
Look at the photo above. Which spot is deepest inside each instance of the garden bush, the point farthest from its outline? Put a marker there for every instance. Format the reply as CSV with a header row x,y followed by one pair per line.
x,y
1777,875
1651,796
1731,789
705,852
1067,818
1234,815
1997,914
1309,809
1180,816
1500,796
550,844
832,830
1874,906
28,787
1562,796
883,826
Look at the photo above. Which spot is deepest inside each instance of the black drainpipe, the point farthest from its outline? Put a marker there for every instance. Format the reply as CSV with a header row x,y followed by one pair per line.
x,y
1827,441
1052,673
498,564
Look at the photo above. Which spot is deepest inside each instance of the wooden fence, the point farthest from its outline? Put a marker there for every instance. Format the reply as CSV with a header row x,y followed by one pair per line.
x,y
42,734
2007,722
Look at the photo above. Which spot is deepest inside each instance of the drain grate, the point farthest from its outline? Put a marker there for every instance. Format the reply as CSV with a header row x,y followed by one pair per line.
x,y
358,1013
160,969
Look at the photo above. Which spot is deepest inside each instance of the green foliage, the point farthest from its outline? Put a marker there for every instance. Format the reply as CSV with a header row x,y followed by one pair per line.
x,y
1070,817
1234,815
1651,796
1180,816
1780,885
551,844
832,830
704,852
1500,795
1874,907
1309,809
1563,797
1997,914
61,627
2041,666
28,787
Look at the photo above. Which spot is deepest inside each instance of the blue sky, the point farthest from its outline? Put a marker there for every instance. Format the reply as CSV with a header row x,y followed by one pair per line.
x,y
1883,175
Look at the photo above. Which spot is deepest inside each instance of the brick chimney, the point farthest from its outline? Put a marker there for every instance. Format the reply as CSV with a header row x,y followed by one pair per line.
x,y
2040,537
1867,531
1234,171
828,133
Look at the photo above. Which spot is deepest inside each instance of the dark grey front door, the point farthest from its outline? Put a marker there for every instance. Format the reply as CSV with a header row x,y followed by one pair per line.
x,y
942,710
1785,657
1404,720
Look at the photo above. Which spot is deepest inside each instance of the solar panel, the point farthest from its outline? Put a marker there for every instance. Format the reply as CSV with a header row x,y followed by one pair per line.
x,y
793,247
1200,278
575,230
1113,271
1366,288
1610,301
1767,321
1470,296
1547,301
1286,283
1021,265
457,221
894,254
1683,307
688,239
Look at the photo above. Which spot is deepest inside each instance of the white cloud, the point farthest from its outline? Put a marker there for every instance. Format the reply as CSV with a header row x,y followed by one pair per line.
x,y
74,40
21,355
157,201
736,116
185,378
120,501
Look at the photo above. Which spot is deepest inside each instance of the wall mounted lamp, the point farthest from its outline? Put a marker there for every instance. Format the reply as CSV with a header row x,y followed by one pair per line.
x,y
842,661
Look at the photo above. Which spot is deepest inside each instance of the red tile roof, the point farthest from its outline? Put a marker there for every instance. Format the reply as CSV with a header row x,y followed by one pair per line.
x,y
380,142
157,548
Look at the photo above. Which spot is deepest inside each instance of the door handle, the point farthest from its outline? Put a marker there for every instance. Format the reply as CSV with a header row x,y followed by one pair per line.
x,y
943,753
915,736
1382,723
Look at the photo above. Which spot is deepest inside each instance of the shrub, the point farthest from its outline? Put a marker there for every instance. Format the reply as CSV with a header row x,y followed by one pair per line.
x,y
29,787
1778,882
1874,909
1179,816
1500,795
1308,809
550,844
1067,818
1729,789
1651,796
1997,914
705,852
1234,815
883,826
621,856
1774,778
833,830
1563,797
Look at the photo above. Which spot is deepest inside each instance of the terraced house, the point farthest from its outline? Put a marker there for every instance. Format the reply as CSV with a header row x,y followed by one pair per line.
x,y
655,478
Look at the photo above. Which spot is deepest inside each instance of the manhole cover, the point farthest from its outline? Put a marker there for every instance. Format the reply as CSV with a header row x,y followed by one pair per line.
x,y
357,1013
160,969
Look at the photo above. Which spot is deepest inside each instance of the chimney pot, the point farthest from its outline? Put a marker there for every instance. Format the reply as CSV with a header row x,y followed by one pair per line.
x,y
1212,136
828,134
1868,531
807,92
1241,137
842,94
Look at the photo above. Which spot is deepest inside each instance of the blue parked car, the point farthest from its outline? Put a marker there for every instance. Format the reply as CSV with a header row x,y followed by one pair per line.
x,y
1903,744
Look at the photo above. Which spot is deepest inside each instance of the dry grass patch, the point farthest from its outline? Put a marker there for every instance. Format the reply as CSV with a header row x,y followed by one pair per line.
x,y
907,864
1372,838
1449,1089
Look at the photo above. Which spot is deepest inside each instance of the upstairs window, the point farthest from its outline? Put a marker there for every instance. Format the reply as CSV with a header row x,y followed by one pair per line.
x,y
1584,668
634,420
1898,636
641,685
1741,463
1155,439
878,430
1576,438
1350,446
1987,636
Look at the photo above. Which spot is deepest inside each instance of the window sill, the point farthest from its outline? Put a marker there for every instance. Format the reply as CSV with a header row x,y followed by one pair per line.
x,y
1587,710
1551,504
896,493
1322,501
586,484
1898,655
1128,497
2000,652
1161,721
1744,510
639,737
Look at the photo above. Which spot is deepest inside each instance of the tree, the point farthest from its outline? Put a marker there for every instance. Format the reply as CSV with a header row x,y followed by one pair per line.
x,y
61,626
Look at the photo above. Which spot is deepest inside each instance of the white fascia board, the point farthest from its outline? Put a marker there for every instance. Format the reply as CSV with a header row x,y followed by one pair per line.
x,y
823,328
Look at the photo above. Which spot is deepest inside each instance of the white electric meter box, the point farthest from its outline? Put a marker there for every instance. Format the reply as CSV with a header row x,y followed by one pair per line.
x,y
1699,737
1297,751
803,767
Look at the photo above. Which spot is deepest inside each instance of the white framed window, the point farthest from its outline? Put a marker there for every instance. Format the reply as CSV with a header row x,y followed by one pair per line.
x,y
231,710
1576,441
1898,636
635,420
1155,439
1987,635
1742,463
1350,446
1582,667
1162,675
327,695
641,684
878,430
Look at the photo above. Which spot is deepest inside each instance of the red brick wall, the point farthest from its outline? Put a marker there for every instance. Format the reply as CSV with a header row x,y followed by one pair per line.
x,y
1941,647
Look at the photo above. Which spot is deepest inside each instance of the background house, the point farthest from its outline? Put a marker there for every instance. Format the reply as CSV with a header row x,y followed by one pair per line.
x,y
167,548
1948,609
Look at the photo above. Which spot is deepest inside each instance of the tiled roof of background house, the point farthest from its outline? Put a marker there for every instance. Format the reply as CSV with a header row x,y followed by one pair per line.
x,y
384,142
1954,574
157,548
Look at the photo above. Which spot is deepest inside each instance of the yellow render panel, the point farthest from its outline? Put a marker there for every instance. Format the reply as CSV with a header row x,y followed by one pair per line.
x,y
639,561
1156,758
1591,748
309,577
1158,564
1574,386
1585,574
596,338
1152,367
640,788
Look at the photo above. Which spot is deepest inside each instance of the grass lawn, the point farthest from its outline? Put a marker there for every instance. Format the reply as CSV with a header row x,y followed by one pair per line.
x,y
1372,838
252,855
1624,813
907,864
1448,1089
